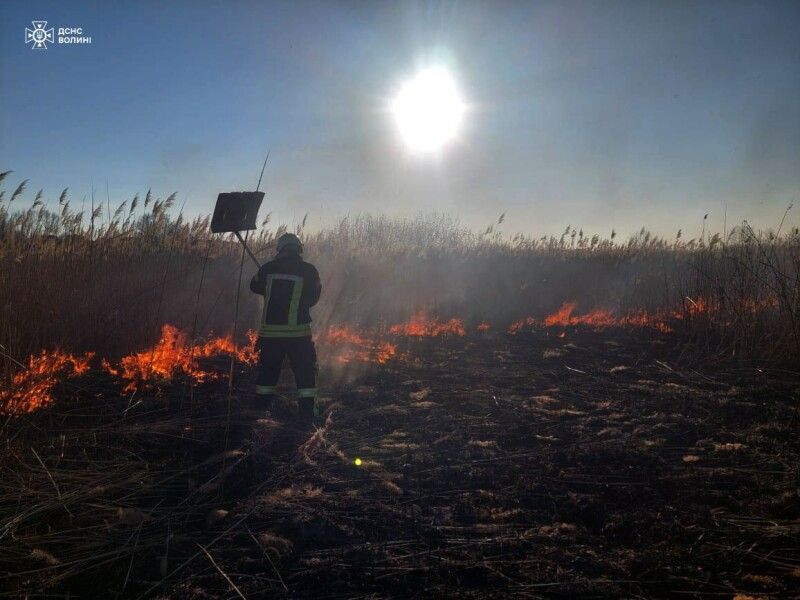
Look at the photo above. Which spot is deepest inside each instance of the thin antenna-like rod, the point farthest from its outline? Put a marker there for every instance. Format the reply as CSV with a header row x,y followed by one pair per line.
x,y
246,249
258,187
235,347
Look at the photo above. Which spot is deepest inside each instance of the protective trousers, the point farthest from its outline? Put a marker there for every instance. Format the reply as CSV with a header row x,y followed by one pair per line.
x,y
302,359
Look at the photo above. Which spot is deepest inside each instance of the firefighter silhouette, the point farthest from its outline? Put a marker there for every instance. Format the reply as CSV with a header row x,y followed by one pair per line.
x,y
290,287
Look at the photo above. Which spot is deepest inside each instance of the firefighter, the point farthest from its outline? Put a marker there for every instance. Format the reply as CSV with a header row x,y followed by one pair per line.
x,y
290,287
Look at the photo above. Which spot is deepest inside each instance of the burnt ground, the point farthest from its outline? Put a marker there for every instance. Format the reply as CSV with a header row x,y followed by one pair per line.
x,y
588,466
597,465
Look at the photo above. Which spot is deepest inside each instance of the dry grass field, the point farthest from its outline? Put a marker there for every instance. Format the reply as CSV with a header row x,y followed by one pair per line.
x,y
503,415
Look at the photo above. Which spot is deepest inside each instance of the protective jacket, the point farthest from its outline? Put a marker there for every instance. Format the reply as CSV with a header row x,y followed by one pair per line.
x,y
290,287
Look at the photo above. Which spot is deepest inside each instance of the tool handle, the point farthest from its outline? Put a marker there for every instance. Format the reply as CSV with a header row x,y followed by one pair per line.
x,y
247,248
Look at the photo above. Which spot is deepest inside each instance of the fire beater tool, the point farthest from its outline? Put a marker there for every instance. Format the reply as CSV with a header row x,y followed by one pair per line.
x,y
235,212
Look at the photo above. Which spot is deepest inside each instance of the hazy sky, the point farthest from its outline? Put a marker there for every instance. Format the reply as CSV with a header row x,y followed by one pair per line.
x,y
594,114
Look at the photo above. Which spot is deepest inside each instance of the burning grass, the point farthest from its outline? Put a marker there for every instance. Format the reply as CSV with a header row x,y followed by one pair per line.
x,y
597,319
663,321
420,325
509,456
350,346
171,357
433,277
32,386
174,355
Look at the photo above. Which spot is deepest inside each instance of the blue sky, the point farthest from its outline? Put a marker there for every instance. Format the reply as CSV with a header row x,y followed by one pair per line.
x,y
591,114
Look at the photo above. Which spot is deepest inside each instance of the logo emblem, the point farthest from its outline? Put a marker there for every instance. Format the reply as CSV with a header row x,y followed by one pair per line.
x,y
39,36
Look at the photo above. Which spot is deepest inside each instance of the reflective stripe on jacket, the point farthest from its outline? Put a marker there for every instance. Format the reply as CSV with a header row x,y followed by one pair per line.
x,y
290,287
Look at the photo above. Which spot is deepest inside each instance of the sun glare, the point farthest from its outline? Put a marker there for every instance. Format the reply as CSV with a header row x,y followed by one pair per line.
x,y
428,110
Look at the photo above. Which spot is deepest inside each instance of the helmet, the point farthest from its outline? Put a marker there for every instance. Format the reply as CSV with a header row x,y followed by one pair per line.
x,y
289,240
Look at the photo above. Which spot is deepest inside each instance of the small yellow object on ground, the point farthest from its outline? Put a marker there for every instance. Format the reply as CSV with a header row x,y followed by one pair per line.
x,y
357,462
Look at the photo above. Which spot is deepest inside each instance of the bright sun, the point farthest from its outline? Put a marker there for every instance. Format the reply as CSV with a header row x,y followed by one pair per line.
x,y
428,110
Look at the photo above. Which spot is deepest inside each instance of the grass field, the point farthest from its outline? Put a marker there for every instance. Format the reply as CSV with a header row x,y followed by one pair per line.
x,y
503,415
105,278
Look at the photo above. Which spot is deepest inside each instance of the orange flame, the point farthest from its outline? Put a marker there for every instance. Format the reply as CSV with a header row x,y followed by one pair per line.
x,y
597,319
421,326
355,346
642,318
31,388
517,326
660,320
173,355
561,316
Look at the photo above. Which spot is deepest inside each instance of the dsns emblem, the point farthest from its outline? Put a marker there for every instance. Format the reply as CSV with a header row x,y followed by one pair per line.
x,y
39,36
